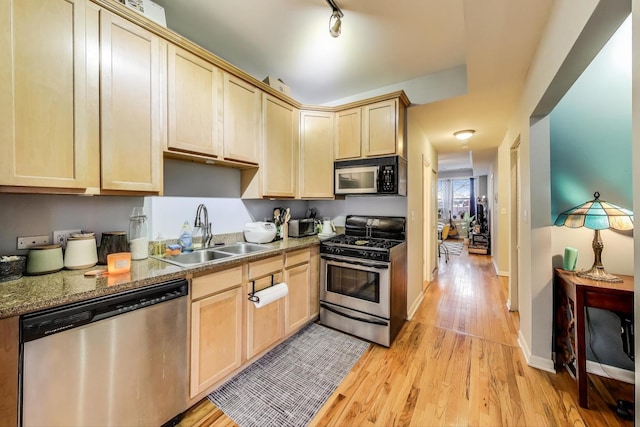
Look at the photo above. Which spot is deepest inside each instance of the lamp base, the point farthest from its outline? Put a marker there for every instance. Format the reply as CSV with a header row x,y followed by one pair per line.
x,y
598,273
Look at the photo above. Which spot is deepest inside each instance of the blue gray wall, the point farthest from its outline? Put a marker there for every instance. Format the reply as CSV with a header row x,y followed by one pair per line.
x,y
591,151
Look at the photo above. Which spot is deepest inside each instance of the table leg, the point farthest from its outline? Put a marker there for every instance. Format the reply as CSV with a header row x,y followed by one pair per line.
x,y
581,371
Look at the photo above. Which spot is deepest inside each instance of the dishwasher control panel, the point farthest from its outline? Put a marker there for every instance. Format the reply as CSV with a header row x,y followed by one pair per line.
x,y
58,319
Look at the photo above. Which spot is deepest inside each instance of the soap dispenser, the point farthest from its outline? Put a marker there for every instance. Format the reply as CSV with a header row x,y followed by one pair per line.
x,y
185,240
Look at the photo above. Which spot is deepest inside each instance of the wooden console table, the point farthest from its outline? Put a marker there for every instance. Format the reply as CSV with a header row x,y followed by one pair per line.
x,y
575,294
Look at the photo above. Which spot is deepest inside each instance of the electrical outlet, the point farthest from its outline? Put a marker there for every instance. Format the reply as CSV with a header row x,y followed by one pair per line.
x,y
27,241
60,237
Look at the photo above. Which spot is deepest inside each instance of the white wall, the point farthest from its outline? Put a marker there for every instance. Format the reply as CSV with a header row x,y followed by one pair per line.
x,y
565,23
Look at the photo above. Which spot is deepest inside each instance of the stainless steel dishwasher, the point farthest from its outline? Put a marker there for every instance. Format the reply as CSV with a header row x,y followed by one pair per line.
x,y
118,360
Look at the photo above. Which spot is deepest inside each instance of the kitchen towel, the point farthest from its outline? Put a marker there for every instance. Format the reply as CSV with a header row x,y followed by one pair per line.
x,y
271,294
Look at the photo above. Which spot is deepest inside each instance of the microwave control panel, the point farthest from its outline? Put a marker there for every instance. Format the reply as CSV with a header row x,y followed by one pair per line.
x,y
387,179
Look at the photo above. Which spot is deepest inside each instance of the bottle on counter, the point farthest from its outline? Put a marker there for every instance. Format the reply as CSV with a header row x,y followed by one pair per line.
x,y
185,240
159,246
138,234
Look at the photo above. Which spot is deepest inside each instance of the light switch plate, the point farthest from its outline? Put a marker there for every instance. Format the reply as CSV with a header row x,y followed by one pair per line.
x,y
28,241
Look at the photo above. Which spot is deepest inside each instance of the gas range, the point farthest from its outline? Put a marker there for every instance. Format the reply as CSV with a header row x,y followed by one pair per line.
x,y
372,248
370,238
363,277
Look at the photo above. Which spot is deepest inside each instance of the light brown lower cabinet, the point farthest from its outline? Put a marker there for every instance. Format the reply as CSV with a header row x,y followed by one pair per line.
x,y
216,328
265,325
314,282
297,276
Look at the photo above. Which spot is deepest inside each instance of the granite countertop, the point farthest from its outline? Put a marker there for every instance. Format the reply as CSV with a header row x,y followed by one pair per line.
x,y
33,293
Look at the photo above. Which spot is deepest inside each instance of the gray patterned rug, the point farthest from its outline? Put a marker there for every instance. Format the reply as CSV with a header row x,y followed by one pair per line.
x,y
455,248
288,385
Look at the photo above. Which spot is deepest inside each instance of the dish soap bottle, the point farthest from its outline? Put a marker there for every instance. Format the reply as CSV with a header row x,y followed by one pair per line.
x,y
185,240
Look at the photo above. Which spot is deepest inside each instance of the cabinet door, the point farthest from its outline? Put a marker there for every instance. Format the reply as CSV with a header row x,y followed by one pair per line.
x,y
379,128
195,103
130,97
348,134
280,148
314,282
316,154
265,325
241,120
216,338
297,300
44,109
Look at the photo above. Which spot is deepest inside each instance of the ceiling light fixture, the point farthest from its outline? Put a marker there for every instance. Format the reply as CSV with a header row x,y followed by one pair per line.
x,y
463,135
335,22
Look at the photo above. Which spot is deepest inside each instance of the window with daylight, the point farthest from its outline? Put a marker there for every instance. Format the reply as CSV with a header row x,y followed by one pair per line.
x,y
454,196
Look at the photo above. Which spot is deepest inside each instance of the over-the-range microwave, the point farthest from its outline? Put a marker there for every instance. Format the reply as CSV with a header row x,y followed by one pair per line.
x,y
371,176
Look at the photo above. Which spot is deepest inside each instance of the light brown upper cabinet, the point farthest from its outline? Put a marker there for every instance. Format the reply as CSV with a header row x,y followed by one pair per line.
x,y
372,128
349,134
195,104
383,129
131,71
241,120
45,106
279,165
316,154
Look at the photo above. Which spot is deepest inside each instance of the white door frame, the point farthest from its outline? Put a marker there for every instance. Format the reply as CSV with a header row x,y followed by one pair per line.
x,y
514,226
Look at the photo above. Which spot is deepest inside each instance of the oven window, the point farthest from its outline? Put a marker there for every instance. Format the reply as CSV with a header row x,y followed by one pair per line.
x,y
351,180
361,284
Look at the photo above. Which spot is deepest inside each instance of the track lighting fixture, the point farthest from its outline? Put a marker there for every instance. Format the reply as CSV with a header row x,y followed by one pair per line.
x,y
335,22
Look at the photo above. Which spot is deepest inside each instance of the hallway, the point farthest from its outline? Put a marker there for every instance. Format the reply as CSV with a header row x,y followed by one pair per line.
x,y
456,363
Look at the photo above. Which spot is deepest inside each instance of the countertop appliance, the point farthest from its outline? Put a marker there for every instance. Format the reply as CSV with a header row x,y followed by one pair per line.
x,y
363,278
371,176
259,232
302,227
115,360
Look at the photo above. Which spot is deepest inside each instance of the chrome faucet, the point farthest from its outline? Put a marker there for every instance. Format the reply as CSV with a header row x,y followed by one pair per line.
x,y
203,224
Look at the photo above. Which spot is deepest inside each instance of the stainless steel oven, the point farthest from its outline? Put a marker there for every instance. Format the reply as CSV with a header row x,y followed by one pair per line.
x,y
356,284
363,278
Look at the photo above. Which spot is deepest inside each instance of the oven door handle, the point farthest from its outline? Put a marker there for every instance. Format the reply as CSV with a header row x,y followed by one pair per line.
x,y
353,262
360,319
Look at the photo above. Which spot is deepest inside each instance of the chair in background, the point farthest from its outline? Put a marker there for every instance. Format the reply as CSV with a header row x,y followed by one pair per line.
x,y
441,246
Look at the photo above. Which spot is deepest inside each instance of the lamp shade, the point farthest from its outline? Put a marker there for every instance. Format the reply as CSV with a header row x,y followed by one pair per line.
x,y
596,214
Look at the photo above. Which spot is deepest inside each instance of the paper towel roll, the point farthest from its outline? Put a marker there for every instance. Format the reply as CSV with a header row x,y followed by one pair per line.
x,y
271,294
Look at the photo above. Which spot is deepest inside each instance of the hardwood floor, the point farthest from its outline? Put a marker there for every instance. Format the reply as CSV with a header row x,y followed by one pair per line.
x,y
457,362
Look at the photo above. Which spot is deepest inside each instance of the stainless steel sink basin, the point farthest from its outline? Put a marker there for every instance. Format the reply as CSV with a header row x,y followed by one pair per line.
x,y
203,256
189,259
242,248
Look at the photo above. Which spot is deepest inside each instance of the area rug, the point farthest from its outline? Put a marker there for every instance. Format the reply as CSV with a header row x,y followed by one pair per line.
x,y
455,248
288,385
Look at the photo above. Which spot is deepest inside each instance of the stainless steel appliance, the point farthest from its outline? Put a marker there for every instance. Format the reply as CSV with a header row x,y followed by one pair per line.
x,y
372,176
364,278
302,227
112,361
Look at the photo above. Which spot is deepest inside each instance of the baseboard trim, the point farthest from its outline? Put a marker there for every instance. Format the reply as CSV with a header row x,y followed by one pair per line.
x,y
415,306
534,361
611,372
502,273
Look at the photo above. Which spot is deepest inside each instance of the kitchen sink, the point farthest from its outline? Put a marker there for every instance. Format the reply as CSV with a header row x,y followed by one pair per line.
x,y
203,256
189,259
242,248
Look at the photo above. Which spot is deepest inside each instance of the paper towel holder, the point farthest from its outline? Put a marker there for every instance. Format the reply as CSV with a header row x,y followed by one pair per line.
x,y
252,295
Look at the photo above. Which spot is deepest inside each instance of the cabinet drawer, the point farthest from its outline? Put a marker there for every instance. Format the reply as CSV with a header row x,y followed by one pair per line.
x,y
296,257
216,282
265,267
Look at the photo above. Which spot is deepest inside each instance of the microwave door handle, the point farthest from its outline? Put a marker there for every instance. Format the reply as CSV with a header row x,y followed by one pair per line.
x,y
359,319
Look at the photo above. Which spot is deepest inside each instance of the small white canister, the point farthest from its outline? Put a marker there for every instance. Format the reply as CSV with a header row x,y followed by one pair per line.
x,y
81,252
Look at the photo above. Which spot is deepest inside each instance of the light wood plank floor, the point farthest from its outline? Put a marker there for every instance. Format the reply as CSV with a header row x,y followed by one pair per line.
x,y
456,363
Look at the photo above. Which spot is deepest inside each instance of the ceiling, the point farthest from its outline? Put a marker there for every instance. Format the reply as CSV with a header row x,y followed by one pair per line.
x,y
461,62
